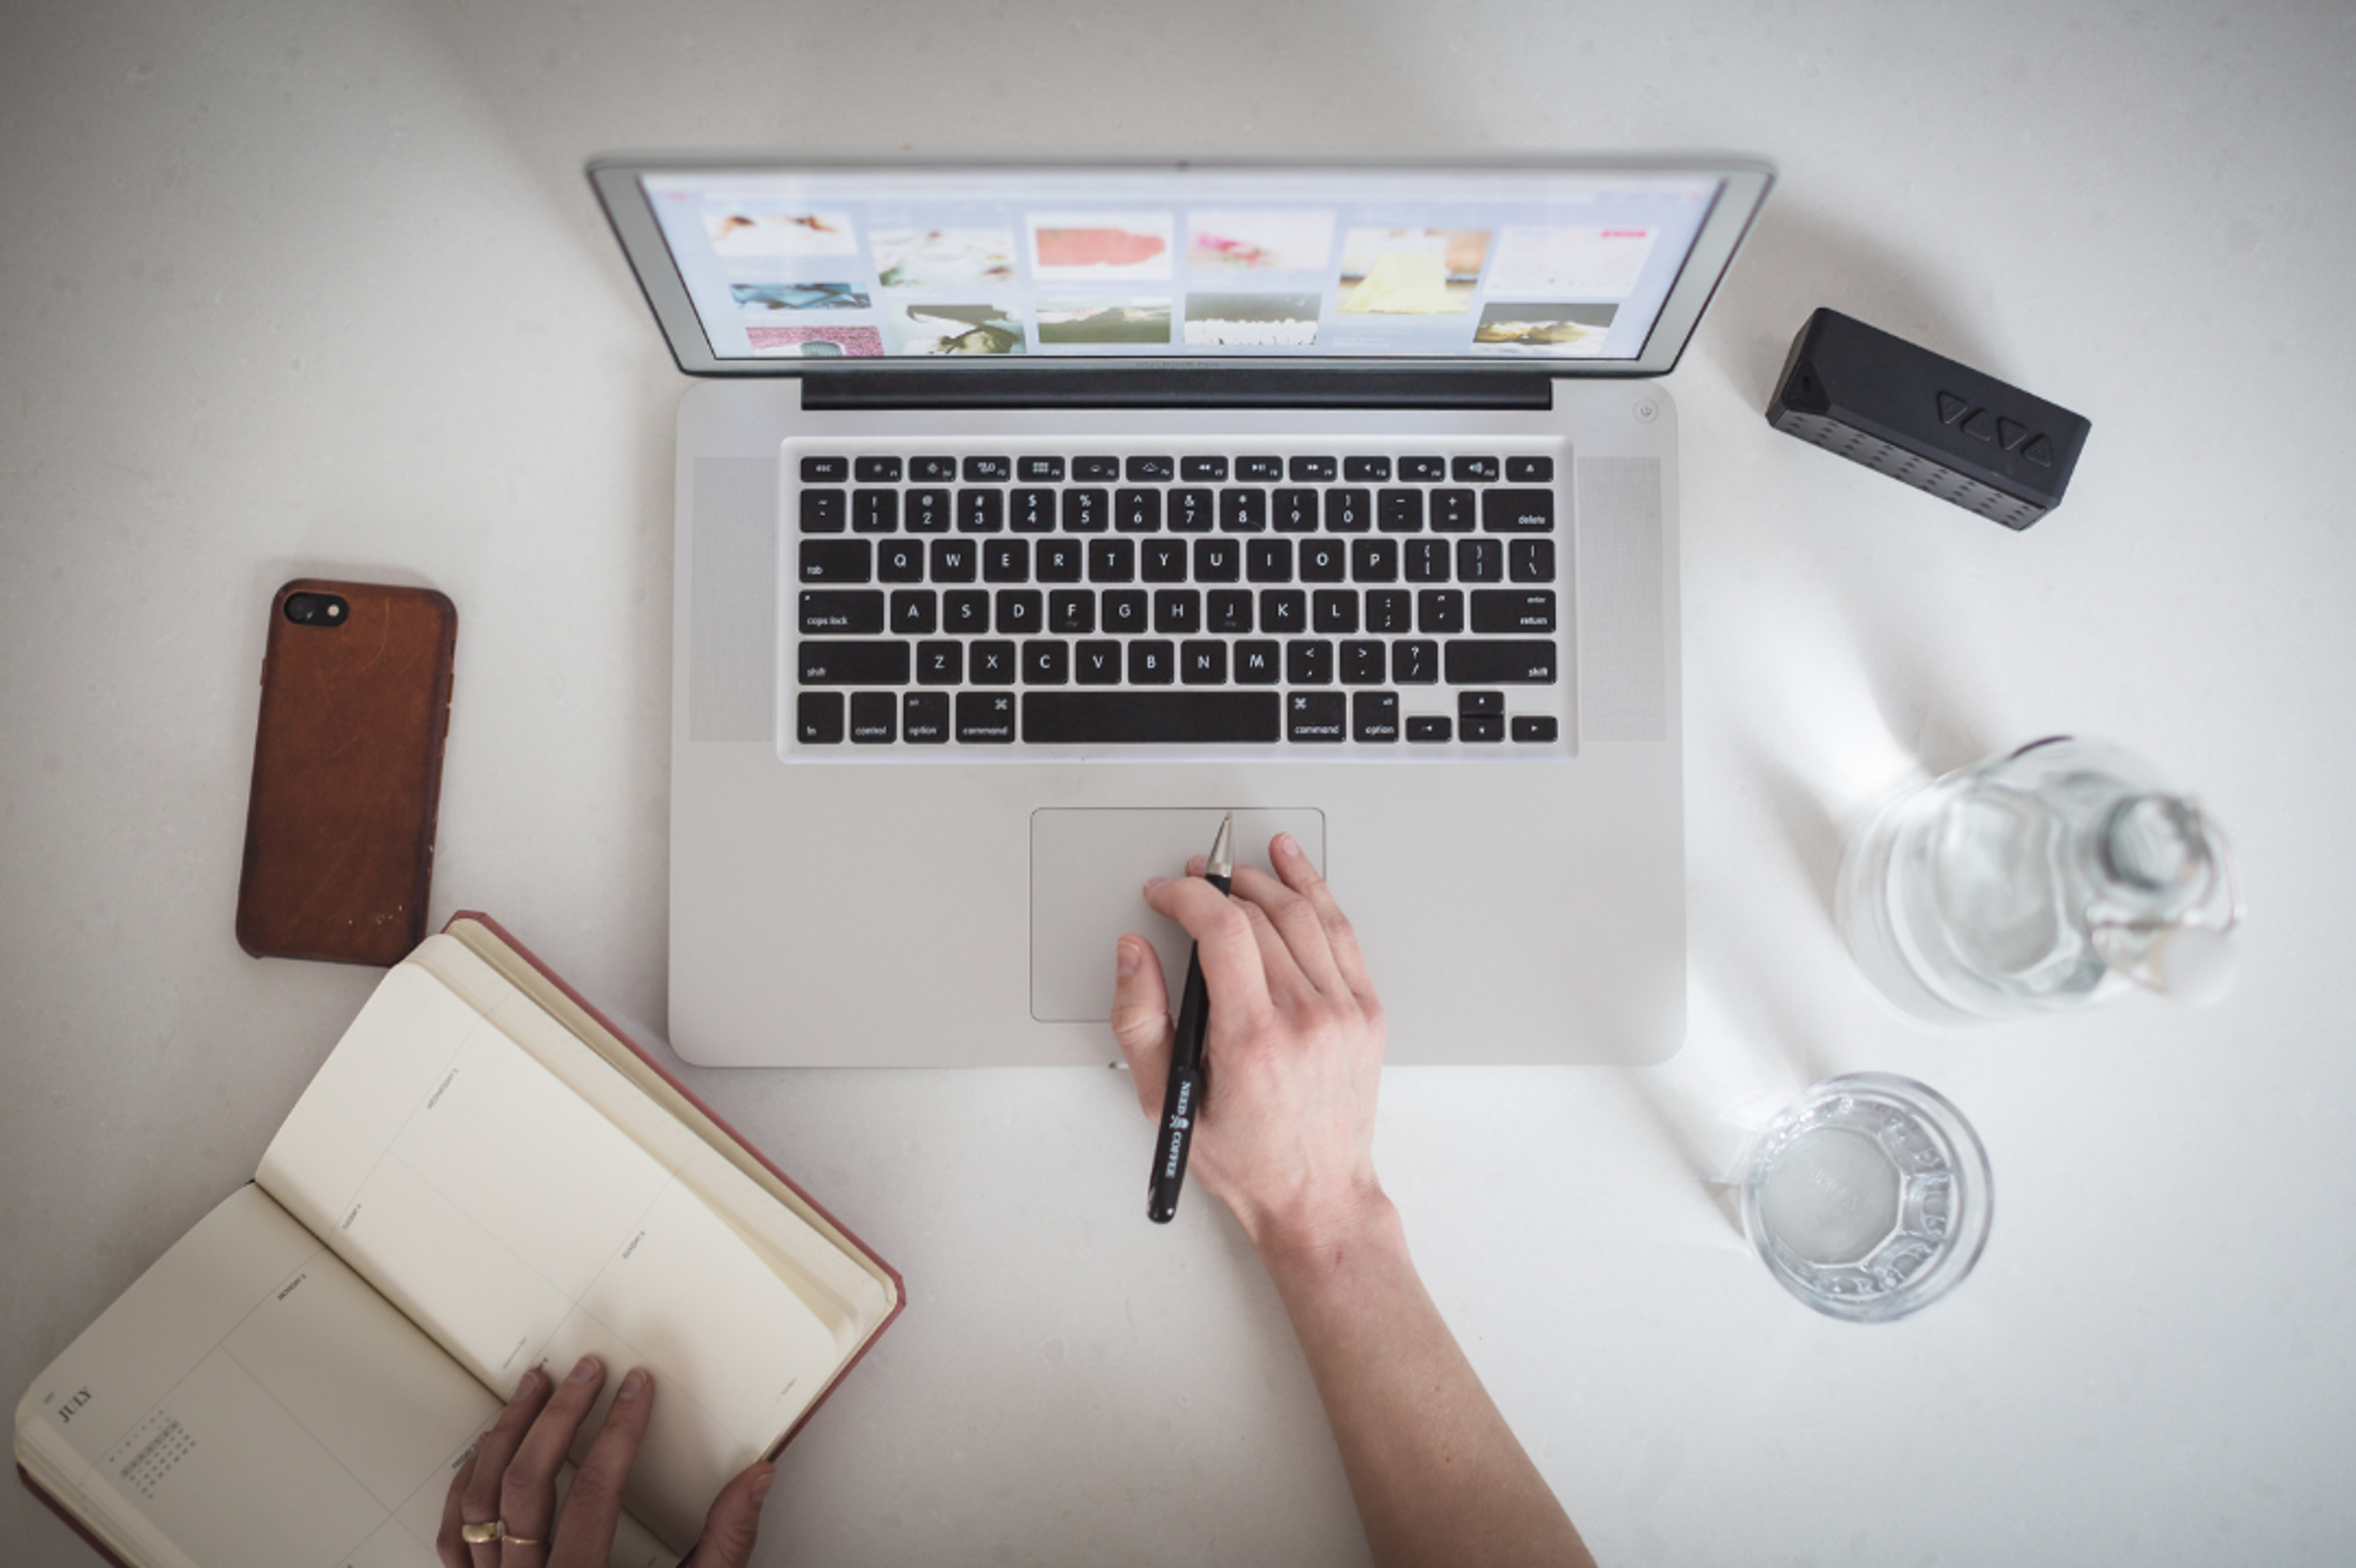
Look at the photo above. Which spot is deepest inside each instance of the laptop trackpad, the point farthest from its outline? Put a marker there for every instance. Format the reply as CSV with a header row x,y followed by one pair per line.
x,y
1087,866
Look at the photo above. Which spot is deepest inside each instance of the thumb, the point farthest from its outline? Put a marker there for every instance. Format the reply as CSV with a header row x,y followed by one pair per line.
x,y
1141,1018
735,1520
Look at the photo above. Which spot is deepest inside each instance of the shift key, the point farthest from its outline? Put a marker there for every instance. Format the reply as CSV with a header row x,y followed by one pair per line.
x,y
1497,661
853,664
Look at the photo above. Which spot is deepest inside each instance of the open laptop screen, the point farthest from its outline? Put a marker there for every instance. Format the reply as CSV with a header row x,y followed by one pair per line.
x,y
1573,267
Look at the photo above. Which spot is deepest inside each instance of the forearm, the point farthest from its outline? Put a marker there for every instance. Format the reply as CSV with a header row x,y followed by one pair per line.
x,y
1437,1475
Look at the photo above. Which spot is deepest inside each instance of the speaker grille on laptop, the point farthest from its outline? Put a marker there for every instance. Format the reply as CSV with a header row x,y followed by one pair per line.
x,y
1623,667
731,654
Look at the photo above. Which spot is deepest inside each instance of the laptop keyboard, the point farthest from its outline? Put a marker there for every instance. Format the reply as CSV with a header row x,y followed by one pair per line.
x,y
1410,596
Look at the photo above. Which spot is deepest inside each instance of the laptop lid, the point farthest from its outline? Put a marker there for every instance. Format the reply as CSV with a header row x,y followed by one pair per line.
x,y
945,283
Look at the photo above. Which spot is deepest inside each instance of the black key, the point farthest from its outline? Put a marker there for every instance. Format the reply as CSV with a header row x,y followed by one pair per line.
x,y
992,663
1430,727
874,511
876,470
1485,726
1203,663
927,512
1316,716
985,718
1258,663
1296,512
1137,511
1283,610
1105,468
833,612
1533,561
1374,560
874,718
1426,560
1046,662
925,718
1362,662
1268,560
1006,561
1473,471
1219,560
1534,727
1348,511
1390,610
1058,559
1415,662
1334,610
818,717
825,470
837,561
1161,561
1085,511
867,663
989,470
1178,612
1242,511
1033,512
1112,560
1490,661
1148,718
1151,662
1263,468
954,561
822,511
1230,610
1313,470
1125,611
1366,470
1375,715
900,561
1321,561
1198,468
1072,612
1513,610
1452,511
1471,702
1423,470
940,664
1097,663
1191,512
1152,470
1308,661
1480,560
915,612
1529,471
1517,511
1040,470
1439,611
1399,511
965,612
982,511
1019,612
932,469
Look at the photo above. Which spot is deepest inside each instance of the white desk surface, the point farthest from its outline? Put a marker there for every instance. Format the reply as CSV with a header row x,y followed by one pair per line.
x,y
288,288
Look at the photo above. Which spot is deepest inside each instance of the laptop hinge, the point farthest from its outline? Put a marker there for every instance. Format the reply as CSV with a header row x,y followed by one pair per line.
x,y
1225,387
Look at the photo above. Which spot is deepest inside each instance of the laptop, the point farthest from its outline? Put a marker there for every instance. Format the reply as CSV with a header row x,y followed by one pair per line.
x,y
1031,517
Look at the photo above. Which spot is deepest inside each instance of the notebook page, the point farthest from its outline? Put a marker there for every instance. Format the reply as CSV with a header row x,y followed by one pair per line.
x,y
518,1226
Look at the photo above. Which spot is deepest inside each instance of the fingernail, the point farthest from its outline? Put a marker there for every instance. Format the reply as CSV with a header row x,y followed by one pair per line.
x,y
585,1369
1124,959
527,1384
633,1386
1285,846
762,1483
1153,883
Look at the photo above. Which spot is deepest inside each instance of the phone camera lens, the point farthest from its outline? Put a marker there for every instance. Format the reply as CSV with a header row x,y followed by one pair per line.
x,y
300,608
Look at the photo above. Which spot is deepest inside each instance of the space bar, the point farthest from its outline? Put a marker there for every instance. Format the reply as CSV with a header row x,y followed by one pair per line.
x,y
1147,717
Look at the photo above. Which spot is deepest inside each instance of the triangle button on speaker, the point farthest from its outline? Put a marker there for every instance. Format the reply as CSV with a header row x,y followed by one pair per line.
x,y
1952,408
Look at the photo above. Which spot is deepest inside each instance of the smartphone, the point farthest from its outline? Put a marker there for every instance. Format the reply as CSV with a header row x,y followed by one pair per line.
x,y
346,771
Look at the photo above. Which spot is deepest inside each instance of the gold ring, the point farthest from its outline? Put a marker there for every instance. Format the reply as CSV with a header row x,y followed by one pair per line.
x,y
522,1541
488,1534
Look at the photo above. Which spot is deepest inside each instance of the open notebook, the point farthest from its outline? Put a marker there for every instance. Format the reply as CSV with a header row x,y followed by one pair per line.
x,y
484,1177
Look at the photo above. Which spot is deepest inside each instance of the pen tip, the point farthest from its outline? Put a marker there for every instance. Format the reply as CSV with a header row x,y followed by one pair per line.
x,y
1220,860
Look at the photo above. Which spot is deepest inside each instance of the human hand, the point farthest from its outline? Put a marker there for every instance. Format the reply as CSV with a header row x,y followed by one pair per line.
x,y
510,1479
1294,1053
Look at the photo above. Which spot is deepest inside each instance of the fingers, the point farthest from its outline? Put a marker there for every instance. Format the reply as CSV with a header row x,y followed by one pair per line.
x,y
735,1521
593,1504
1296,923
1292,863
446,1545
1235,965
477,1490
1141,1017
526,1495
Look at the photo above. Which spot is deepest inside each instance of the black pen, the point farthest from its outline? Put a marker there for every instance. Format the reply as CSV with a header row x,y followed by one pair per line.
x,y
1182,1102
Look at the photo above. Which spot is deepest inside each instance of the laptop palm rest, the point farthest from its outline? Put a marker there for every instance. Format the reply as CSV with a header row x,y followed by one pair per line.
x,y
1087,871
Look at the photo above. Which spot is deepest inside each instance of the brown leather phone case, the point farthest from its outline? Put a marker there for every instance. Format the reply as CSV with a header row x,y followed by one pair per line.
x,y
346,773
